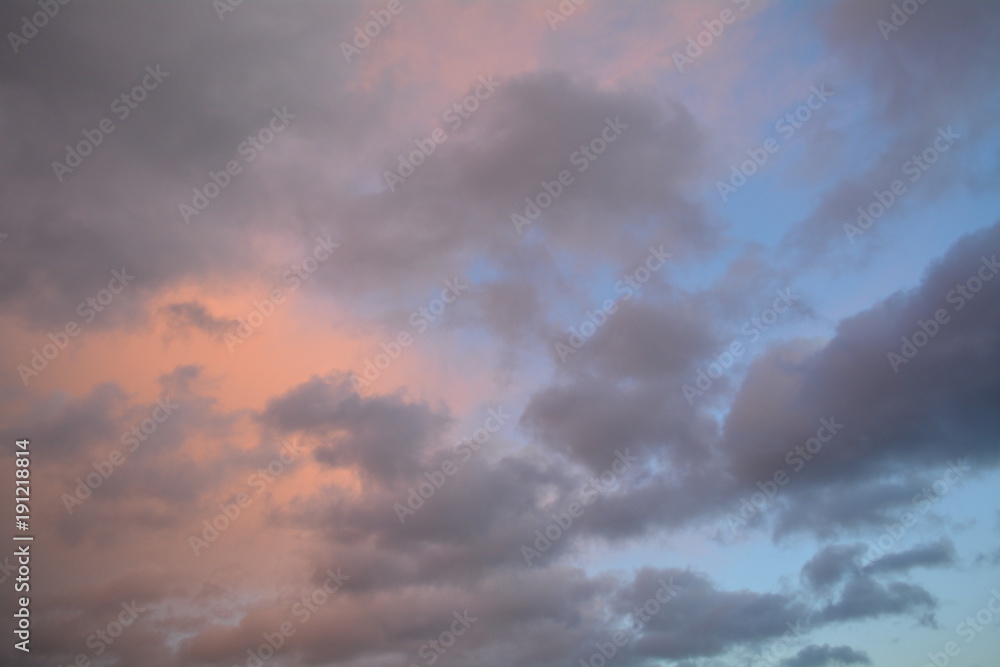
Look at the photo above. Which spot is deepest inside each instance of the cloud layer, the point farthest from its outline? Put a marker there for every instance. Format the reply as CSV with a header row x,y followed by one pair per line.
x,y
448,351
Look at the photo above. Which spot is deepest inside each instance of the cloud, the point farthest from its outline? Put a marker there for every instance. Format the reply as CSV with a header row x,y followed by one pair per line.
x,y
925,555
383,437
787,390
866,598
886,411
909,414
830,565
914,90
821,655
196,315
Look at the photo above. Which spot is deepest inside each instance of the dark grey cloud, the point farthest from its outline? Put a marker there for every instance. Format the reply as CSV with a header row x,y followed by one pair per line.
x,y
933,554
383,436
821,655
649,349
837,563
540,616
863,597
931,73
682,628
888,416
830,565
71,425
120,207
105,450
196,315
621,391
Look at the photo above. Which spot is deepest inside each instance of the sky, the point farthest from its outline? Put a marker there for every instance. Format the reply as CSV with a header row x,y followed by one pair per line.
x,y
464,332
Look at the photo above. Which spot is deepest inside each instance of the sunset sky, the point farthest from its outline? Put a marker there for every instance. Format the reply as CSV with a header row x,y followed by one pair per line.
x,y
478,333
